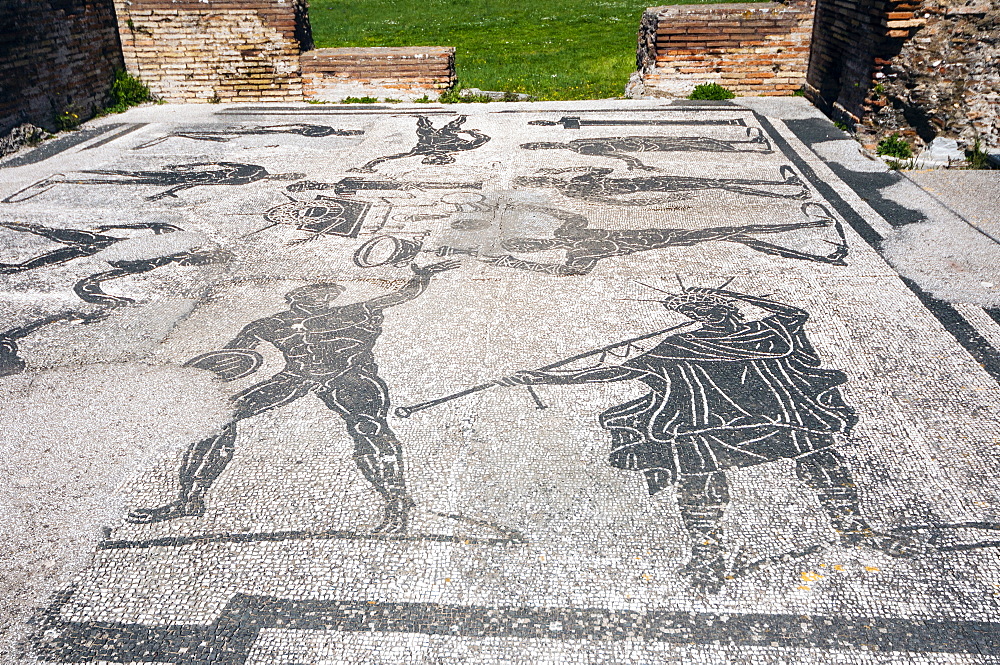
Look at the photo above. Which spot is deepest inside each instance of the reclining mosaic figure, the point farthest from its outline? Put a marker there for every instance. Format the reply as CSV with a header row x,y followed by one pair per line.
x,y
594,184
328,352
10,362
618,147
229,133
177,177
79,243
435,145
731,394
585,247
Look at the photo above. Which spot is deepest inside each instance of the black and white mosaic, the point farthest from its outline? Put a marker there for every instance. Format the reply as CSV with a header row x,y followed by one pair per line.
x,y
540,385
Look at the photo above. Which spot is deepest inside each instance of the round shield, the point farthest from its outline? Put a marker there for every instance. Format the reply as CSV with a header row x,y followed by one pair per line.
x,y
228,364
385,250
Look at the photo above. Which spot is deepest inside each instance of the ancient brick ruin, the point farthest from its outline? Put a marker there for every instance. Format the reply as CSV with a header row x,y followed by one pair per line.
x,y
56,57
216,50
920,67
937,72
331,74
750,48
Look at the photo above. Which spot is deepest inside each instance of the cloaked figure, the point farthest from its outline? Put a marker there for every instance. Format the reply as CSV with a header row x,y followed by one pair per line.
x,y
732,394
436,146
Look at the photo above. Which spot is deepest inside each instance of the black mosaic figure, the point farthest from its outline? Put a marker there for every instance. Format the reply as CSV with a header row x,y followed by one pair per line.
x,y
435,145
79,243
731,394
585,247
576,122
76,243
593,184
229,133
328,352
10,362
618,147
90,288
351,186
175,176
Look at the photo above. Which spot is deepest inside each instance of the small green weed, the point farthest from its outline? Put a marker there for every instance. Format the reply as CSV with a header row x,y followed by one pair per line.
x,y
454,96
894,146
316,101
423,100
799,93
476,99
978,158
127,91
842,126
359,100
902,165
712,91
66,121
390,100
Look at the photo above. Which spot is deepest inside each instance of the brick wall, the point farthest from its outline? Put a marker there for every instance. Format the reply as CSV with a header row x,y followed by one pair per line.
x,y
918,67
55,56
331,74
752,48
216,50
849,38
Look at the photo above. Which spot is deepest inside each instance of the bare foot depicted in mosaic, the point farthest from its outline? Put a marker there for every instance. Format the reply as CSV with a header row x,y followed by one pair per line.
x,y
465,404
328,353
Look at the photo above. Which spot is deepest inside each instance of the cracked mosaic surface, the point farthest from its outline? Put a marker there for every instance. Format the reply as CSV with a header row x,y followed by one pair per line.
x,y
535,383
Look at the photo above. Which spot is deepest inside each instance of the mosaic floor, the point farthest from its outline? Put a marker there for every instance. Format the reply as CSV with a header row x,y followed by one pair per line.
x,y
551,383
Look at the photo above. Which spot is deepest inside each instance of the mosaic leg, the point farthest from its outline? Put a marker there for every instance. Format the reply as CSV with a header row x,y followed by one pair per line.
x,y
702,500
826,472
205,460
363,403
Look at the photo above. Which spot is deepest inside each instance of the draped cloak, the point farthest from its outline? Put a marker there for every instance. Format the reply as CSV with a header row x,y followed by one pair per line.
x,y
735,399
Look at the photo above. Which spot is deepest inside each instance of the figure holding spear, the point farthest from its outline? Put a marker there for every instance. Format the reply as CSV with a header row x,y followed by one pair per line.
x,y
731,394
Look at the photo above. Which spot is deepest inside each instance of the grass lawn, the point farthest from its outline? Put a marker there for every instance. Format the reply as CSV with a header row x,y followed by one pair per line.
x,y
553,49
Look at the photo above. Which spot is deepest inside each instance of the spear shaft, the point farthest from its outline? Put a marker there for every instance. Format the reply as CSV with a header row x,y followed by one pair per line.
x,y
407,411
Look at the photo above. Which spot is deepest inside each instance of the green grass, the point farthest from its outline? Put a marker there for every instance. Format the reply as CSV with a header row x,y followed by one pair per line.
x,y
553,49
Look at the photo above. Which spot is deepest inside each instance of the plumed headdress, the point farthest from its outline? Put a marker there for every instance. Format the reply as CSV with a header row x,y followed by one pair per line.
x,y
677,301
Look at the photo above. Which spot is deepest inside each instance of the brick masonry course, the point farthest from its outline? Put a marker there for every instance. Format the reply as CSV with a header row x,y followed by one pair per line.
x,y
330,74
56,56
922,69
752,49
216,50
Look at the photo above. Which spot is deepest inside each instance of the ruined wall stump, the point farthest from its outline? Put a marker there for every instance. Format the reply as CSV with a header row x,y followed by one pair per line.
x,y
331,74
751,48
922,68
56,57
216,50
